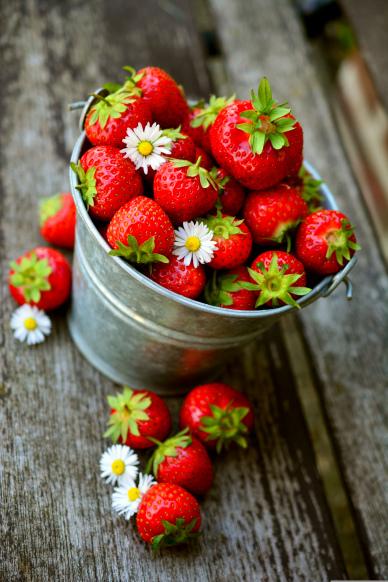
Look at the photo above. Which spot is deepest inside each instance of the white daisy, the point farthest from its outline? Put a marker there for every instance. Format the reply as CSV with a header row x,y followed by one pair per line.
x,y
127,497
118,463
145,146
194,243
30,324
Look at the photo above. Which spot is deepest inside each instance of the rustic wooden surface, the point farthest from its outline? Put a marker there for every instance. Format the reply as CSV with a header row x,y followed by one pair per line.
x,y
266,518
370,22
348,342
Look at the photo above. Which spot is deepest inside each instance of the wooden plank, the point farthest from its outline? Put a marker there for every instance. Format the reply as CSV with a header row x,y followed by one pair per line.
x,y
370,21
266,517
347,341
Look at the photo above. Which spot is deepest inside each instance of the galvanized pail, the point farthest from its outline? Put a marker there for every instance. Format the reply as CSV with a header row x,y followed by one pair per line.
x,y
139,333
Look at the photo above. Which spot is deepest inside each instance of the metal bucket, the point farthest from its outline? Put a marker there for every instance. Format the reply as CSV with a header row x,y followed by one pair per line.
x,y
138,333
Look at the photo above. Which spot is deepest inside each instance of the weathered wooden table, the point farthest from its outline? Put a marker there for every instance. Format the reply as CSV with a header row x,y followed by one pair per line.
x,y
268,516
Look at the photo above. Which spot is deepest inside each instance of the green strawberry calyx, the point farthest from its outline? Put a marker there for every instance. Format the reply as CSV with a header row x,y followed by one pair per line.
x,y
274,285
129,408
339,242
175,533
32,276
140,254
225,426
132,80
87,182
196,170
174,134
311,189
267,120
207,116
167,449
110,106
219,290
49,207
222,225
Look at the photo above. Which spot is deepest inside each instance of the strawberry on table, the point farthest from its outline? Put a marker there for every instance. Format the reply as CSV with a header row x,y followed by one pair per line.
x,y
233,240
258,142
201,118
106,181
272,214
40,277
278,277
57,220
225,290
168,515
108,120
137,415
161,93
325,241
185,280
184,190
184,461
218,415
231,194
141,232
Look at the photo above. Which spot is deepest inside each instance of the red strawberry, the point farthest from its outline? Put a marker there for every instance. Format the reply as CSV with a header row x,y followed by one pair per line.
x,y
183,147
183,279
271,214
57,220
200,120
163,96
231,193
206,161
137,415
182,460
107,181
233,239
218,415
308,187
224,290
141,232
184,190
108,120
168,515
258,142
325,241
40,277
196,133
278,278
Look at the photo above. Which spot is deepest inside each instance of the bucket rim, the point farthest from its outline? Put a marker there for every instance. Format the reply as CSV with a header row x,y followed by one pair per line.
x,y
317,291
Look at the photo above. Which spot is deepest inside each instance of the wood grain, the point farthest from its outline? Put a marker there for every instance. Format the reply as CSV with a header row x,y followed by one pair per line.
x,y
266,517
369,21
348,341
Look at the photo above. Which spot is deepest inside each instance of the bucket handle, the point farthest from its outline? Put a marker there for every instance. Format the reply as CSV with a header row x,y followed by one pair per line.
x,y
85,106
341,277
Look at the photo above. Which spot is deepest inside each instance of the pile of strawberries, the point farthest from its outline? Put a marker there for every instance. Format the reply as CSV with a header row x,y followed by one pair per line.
x,y
180,468
212,202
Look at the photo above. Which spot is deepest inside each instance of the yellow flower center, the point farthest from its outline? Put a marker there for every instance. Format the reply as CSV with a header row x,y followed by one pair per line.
x,y
193,243
118,467
133,493
30,323
145,148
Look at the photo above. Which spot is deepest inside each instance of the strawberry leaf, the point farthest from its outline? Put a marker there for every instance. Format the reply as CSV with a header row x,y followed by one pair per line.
x,y
267,120
140,254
